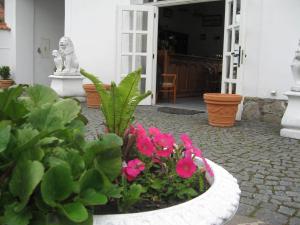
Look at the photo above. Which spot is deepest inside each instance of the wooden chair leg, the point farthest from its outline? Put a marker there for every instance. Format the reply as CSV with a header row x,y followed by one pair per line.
x,y
174,96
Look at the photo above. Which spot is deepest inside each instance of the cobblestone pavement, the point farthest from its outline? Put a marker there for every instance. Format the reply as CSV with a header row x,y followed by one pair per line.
x,y
266,165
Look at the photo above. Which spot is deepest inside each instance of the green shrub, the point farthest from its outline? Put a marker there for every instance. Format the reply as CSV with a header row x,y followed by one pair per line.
x,y
49,175
5,72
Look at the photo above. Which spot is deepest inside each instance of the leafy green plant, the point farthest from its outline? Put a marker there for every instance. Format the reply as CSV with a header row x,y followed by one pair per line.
x,y
5,72
49,175
120,102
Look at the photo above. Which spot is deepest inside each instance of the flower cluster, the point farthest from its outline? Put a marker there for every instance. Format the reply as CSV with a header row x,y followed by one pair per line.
x,y
161,148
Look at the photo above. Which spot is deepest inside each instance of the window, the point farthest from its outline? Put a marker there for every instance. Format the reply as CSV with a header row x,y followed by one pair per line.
x,y
3,25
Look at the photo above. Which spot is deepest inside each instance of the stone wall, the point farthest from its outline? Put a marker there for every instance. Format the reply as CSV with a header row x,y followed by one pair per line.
x,y
267,110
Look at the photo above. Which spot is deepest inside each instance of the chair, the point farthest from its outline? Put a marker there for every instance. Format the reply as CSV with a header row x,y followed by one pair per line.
x,y
168,85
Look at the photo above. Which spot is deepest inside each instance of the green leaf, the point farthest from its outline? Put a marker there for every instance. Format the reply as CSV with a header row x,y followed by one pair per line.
x,y
57,185
11,107
25,178
12,217
92,179
120,102
131,196
186,193
52,117
75,211
108,155
4,135
92,197
105,143
39,95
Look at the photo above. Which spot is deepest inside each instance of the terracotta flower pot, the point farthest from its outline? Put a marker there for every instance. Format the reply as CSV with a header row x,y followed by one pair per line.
x,y
222,108
6,83
92,97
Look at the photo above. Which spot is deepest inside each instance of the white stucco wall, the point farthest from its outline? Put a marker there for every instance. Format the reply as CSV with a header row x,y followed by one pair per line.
x,y
273,30
92,27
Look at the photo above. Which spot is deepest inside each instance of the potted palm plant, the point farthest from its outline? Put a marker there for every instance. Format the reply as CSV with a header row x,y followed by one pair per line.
x,y
5,82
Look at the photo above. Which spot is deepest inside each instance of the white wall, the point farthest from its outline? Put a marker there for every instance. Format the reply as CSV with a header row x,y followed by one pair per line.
x,y
48,29
273,30
92,27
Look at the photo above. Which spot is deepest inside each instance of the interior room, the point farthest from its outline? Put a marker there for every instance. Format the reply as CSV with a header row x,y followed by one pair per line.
x,y
190,51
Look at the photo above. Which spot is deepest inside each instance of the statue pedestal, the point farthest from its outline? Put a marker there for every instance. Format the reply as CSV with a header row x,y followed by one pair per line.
x,y
68,86
291,118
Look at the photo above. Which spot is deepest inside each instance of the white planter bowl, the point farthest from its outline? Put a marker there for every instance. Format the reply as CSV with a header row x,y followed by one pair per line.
x,y
216,206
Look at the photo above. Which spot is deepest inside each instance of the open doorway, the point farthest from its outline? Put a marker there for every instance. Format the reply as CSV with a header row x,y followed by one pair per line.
x,y
190,46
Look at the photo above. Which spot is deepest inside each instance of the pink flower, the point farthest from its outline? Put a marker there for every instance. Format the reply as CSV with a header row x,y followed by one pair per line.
x,y
207,167
153,131
165,152
164,140
145,145
132,130
185,167
140,130
187,142
190,152
133,169
164,144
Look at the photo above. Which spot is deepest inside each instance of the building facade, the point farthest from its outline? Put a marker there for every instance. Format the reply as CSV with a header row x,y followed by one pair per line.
x,y
268,35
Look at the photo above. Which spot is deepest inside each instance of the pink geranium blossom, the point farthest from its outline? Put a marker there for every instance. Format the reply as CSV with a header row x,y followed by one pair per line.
x,y
133,169
145,145
185,167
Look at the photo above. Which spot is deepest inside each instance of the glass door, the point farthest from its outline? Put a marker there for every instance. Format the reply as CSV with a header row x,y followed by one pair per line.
x,y
233,51
135,44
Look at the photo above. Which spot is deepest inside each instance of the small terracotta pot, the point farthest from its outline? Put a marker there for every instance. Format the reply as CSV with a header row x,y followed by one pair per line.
x,y
92,97
6,83
222,108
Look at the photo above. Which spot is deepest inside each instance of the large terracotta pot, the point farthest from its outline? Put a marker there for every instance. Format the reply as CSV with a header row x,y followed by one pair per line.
x,y
92,97
222,108
216,206
6,83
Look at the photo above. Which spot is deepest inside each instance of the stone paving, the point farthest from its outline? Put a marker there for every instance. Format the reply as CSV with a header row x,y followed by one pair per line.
x,y
266,165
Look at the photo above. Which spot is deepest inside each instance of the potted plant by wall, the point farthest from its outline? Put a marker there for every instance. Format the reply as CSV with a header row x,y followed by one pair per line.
x,y
173,181
92,97
5,80
222,108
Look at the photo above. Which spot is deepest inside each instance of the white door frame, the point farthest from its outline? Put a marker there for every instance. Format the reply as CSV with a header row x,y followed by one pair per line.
x,y
167,3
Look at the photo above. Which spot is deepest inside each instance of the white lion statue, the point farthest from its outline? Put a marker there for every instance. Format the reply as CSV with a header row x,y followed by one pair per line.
x,y
67,57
